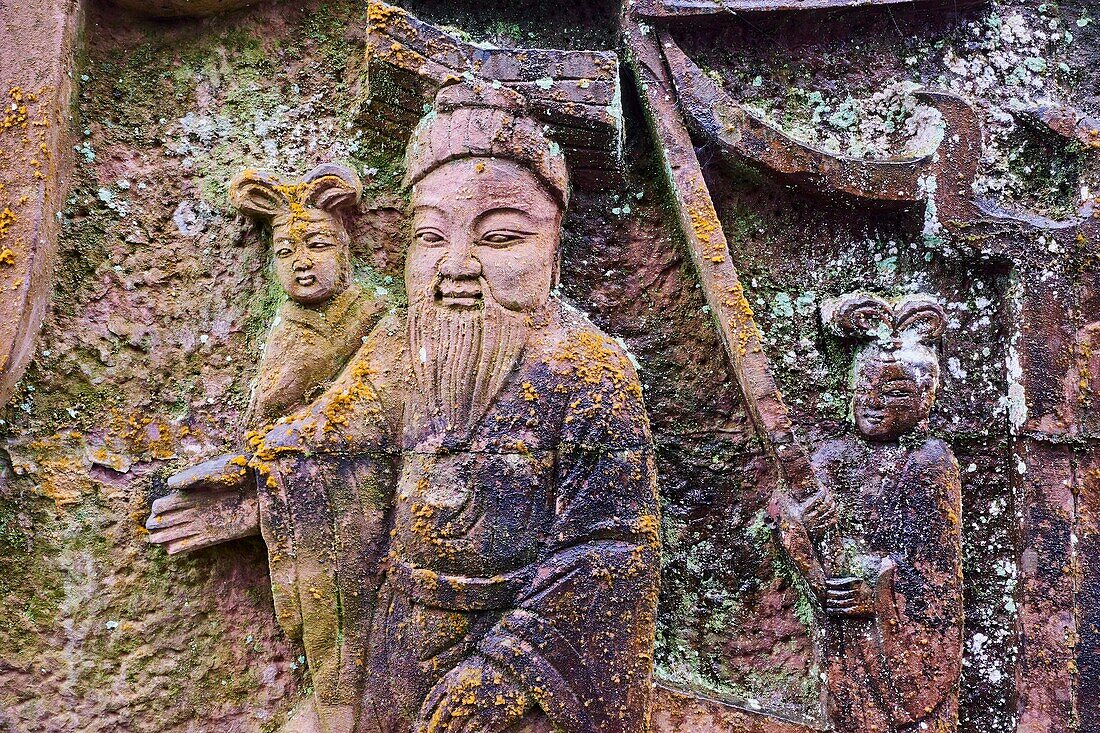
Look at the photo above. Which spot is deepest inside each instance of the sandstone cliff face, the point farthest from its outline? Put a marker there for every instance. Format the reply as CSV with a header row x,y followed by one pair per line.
x,y
163,298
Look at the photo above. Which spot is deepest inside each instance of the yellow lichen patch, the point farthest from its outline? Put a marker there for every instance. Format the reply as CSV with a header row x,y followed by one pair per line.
x,y
529,393
60,480
592,359
1084,373
58,466
148,436
649,526
380,13
16,123
358,398
7,218
15,113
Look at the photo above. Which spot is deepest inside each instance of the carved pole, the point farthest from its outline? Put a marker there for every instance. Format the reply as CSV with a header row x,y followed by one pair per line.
x,y
721,285
36,87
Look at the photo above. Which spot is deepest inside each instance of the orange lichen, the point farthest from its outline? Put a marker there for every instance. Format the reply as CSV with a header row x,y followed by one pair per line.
x,y
359,397
15,113
7,218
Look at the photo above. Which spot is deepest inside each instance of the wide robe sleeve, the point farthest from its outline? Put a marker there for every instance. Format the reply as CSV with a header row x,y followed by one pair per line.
x,y
580,638
919,613
323,481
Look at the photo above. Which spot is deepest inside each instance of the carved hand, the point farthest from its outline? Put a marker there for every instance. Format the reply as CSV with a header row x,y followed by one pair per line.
x,y
816,513
211,503
473,698
855,597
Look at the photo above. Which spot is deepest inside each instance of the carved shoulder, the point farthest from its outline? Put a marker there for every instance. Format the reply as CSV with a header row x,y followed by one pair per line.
x,y
933,472
936,456
596,374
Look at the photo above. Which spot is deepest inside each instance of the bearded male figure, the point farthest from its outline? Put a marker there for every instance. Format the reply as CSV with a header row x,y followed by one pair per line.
x,y
463,530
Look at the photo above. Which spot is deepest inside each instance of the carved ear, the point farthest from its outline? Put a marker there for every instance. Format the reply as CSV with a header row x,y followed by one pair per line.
x,y
330,187
257,194
857,315
922,316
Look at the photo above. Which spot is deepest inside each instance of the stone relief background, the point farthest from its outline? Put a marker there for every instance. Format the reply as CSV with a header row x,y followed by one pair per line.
x,y
164,296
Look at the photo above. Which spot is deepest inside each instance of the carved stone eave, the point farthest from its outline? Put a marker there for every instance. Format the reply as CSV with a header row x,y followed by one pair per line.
x,y
695,8
577,93
36,62
738,134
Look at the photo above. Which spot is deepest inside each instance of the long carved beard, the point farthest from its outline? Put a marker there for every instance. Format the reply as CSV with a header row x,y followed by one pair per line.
x,y
461,357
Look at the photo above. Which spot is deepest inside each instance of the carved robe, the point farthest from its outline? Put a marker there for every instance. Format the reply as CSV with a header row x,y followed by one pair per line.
x,y
400,552
306,350
898,671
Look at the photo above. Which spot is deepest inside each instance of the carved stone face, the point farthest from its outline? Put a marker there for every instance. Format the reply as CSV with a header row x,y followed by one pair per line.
x,y
311,255
483,227
893,392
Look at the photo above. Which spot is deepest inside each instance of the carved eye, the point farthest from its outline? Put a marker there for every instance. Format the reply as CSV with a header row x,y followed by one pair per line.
x,y
429,237
897,394
318,244
283,251
501,238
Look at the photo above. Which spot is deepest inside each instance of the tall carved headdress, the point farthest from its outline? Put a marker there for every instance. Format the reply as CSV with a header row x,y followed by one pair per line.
x,y
475,119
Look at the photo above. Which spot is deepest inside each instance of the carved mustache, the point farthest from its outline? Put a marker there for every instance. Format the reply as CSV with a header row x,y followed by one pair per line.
x,y
475,289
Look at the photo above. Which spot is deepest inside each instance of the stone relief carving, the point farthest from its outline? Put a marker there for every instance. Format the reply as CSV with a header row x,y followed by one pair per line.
x,y
480,472
458,496
891,529
327,315
315,333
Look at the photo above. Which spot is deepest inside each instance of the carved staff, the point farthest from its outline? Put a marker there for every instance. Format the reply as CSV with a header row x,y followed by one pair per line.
x,y
722,288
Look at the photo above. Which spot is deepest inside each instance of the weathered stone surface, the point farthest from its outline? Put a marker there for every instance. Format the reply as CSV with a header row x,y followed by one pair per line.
x,y
786,123
36,81
181,8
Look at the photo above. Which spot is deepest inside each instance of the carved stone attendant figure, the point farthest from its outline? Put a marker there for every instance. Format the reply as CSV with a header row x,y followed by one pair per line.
x,y
893,640
463,530
327,315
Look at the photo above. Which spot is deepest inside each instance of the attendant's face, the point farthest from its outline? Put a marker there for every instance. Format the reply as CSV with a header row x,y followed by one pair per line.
x,y
892,395
483,228
311,255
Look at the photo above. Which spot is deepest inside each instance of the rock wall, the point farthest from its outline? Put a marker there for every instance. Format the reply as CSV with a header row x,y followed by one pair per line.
x,y
163,298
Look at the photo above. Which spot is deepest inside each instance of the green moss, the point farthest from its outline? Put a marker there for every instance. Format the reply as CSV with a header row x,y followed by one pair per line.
x,y
31,586
1047,171
326,28
262,307
762,534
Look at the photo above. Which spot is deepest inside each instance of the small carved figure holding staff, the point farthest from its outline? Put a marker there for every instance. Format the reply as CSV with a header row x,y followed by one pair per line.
x,y
890,534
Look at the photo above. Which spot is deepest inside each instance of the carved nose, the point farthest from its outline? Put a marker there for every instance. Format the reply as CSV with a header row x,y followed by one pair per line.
x,y
460,266
303,263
